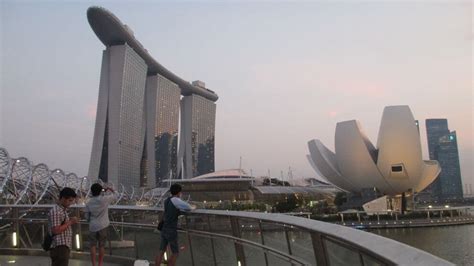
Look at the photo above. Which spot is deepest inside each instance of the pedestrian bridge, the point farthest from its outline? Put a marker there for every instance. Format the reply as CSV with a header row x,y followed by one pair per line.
x,y
211,237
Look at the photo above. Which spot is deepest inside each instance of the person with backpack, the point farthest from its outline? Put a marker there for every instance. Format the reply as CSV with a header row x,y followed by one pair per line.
x,y
97,213
59,227
173,207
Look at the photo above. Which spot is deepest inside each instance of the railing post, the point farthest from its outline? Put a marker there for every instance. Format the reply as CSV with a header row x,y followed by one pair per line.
x,y
135,243
239,249
79,230
121,231
16,228
189,241
263,240
318,247
285,228
212,241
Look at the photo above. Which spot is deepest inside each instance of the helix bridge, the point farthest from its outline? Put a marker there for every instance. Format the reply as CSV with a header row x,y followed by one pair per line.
x,y
23,182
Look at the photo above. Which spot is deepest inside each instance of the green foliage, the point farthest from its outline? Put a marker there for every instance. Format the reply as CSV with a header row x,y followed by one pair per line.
x,y
239,206
341,198
289,205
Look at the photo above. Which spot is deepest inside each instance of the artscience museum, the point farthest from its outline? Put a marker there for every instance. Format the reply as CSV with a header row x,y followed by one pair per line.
x,y
393,166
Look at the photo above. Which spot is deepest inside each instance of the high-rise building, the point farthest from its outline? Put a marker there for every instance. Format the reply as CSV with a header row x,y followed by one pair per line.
x,y
196,149
443,147
119,134
435,129
136,134
162,111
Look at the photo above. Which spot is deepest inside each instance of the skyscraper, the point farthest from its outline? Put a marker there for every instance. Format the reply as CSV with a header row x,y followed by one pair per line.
x,y
442,146
162,105
119,130
136,134
196,149
435,129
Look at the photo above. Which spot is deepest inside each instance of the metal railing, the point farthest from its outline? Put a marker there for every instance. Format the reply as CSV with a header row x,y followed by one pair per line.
x,y
210,237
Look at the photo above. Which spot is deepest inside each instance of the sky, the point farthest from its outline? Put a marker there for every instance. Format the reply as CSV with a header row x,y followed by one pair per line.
x,y
285,73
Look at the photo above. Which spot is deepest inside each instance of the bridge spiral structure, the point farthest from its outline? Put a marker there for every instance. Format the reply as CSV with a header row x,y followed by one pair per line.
x,y
24,183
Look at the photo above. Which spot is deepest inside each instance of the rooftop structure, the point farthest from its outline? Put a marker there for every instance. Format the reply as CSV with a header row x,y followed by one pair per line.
x,y
236,185
111,31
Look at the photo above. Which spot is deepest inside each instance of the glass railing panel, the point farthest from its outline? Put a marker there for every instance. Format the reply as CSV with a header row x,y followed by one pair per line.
x,y
134,216
203,250
250,230
337,254
197,222
368,261
274,236
122,240
254,255
31,233
225,251
184,257
147,243
276,260
301,244
220,224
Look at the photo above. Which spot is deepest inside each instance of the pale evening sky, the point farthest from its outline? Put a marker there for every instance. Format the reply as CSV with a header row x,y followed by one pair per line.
x,y
285,72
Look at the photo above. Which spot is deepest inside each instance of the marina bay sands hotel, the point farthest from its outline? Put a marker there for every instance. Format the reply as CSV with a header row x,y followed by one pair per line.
x,y
140,106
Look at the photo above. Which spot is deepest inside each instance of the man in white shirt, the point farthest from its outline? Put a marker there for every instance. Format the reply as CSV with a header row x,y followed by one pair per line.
x,y
97,213
169,233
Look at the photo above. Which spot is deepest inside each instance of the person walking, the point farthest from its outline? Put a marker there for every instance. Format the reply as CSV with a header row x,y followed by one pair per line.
x,y
97,213
169,233
59,226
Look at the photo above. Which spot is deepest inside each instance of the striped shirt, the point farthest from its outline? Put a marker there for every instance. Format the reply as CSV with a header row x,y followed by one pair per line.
x,y
58,215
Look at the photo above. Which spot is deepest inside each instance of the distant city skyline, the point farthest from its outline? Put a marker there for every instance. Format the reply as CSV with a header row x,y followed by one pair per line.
x,y
443,147
284,72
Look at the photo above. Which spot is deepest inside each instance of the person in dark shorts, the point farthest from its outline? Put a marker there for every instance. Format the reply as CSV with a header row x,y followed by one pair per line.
x,y
169,233
59,225
97,214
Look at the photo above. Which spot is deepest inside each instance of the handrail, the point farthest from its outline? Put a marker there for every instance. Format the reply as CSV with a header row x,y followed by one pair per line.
x,y
289,258
385,250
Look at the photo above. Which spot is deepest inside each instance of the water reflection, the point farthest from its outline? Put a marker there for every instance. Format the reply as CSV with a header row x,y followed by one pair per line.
x,y
452,243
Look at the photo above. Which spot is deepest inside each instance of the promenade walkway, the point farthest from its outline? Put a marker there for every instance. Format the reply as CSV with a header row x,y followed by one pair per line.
x,y
40,261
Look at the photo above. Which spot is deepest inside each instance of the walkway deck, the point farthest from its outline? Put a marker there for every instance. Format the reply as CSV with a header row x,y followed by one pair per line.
x,y
40,261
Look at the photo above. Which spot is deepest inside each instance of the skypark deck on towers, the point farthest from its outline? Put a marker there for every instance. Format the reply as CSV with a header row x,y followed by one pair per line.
x,y
111,31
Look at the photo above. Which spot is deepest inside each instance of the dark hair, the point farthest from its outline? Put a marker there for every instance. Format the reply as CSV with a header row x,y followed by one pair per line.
x,y
96,189
67,192
175,189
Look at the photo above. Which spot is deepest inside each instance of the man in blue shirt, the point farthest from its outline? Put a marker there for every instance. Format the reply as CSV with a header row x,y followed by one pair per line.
x,y
169,233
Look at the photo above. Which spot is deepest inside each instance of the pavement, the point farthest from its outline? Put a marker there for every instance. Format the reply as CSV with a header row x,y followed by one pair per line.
x,y
6,260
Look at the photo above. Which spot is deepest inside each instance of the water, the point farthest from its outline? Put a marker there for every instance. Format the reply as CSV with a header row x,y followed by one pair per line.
x,y
452,243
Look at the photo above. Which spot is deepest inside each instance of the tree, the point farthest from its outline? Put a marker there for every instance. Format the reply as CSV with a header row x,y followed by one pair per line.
x,y
341,198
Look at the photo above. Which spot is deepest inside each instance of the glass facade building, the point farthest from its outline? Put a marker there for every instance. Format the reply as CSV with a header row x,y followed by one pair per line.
x,y
120,123
162,105
136,131
442,146
435,129
450,178
196,154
